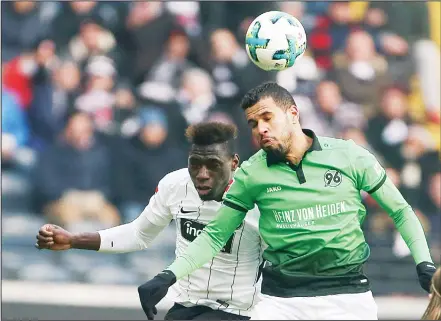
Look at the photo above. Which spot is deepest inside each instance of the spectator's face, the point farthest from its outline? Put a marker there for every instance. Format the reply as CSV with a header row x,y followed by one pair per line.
x,y
328,96
294,8
272,126
153,134
340,12
82,6
178,46
435,189
394,104
196,85
24,6
105,83
210,169
79,131
68,76
90,33
124,99
224,45
360,46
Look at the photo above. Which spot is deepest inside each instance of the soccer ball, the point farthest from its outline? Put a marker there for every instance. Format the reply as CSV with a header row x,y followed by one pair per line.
x,y
275,40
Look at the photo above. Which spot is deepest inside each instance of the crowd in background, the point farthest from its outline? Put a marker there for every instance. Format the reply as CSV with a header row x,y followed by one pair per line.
x,y
96,97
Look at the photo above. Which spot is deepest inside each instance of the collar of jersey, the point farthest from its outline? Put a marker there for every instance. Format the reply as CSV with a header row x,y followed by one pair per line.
x,y
315,146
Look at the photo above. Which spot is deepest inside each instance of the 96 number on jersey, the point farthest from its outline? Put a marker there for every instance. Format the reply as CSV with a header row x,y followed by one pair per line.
x,y
332,178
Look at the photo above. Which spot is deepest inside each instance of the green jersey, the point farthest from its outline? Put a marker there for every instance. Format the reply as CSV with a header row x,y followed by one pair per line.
x,y
311,216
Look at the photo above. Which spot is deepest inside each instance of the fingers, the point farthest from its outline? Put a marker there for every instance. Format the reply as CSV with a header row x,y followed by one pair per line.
x,y
44,242
147,311
46,230
44,239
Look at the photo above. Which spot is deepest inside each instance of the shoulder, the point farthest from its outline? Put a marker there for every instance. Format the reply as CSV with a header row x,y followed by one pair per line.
x,y
175,180
331,143
254,161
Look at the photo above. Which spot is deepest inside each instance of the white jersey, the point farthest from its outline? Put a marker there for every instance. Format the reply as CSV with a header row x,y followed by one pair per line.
x,y
230,281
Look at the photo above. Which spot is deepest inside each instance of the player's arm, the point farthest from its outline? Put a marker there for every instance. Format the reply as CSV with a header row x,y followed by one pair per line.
x,y
237,202
134,236
372,178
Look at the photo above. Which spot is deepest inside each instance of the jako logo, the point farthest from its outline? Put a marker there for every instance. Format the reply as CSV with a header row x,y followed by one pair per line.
x,y
273,189
191,230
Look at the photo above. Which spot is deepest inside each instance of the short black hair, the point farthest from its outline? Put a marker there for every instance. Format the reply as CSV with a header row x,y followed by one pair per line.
x,y
280,95
209,133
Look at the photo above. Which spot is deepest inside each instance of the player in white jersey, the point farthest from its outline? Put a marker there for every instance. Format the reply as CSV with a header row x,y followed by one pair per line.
x,y
226,287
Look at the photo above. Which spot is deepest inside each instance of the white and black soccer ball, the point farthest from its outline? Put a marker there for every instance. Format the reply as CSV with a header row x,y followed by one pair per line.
x,y
275,40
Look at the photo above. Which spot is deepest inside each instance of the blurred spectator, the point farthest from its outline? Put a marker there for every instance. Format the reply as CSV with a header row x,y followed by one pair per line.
x,y
360,72
72,14
331,112
231,70
235,16
15,131
196,98
404,39
420,162
388,130
125,111
148,28
144,160
72,177
302,79
163,80
54,93
98,97
22,28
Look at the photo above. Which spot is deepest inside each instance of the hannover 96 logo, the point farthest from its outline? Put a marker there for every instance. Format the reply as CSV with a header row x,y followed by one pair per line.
x,y
332,178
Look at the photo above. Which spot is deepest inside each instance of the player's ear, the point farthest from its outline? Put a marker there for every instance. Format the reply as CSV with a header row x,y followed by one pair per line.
x,y
235,162
293,113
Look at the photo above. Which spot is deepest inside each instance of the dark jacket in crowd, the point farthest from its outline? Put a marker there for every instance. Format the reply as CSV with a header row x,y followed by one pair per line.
x,y
61,167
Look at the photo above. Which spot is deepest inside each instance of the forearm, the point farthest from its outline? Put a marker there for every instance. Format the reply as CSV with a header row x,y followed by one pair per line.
x,y
405,219
208,243
86,241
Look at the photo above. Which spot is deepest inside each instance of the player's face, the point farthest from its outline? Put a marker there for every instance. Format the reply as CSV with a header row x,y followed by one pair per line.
x,y
210,169
271,125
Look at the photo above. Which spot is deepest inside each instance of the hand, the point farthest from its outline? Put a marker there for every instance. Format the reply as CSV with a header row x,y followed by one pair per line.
x,y
53,237
151,292
425,271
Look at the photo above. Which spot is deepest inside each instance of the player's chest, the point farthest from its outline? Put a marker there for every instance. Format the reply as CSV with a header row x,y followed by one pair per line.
x,y
285,188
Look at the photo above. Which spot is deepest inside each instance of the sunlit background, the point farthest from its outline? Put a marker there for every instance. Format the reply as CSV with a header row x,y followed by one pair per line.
x,y
96,97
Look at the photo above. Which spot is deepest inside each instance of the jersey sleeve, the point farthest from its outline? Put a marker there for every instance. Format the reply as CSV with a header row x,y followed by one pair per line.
x,y
369,173
238,194
157,209
138,235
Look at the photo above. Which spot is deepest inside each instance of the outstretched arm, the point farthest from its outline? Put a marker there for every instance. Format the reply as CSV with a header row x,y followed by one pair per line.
x,y
134,236
371,177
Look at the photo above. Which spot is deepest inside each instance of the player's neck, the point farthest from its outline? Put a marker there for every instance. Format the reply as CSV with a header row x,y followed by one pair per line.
x,y
300,143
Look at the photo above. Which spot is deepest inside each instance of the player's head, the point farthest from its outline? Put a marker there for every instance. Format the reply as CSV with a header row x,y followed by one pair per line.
x,y
433,311
212,158
273,116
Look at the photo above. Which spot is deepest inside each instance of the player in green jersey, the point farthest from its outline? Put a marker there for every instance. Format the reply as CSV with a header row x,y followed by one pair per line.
x,y
307,189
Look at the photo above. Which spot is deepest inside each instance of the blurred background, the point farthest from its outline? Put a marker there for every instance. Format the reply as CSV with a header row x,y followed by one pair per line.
x,y
96,97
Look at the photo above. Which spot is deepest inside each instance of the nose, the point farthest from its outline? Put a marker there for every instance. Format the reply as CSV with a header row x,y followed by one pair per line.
x,y
262,128
203,174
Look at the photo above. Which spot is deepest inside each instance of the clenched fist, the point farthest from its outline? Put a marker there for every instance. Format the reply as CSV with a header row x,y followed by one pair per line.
x,y
53,237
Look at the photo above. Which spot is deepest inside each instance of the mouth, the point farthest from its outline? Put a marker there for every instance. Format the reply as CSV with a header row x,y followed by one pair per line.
x,y
203,190
266,141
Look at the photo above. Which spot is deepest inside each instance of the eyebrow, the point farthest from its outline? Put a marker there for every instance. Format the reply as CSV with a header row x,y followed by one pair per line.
x,y
265,113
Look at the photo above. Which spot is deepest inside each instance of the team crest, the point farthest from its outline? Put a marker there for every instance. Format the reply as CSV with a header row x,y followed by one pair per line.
x,y
332,178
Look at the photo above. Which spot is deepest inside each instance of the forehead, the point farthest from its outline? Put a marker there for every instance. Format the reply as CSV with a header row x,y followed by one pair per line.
x,y
209,151
265,105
